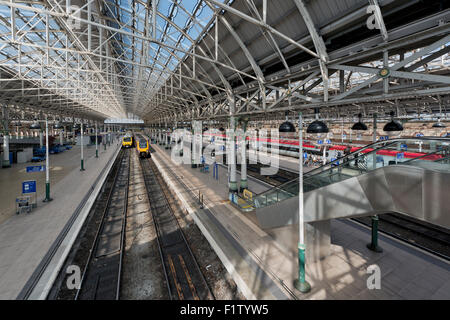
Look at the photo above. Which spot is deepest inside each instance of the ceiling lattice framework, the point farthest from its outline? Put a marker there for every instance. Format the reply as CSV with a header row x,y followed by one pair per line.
x,y
176,60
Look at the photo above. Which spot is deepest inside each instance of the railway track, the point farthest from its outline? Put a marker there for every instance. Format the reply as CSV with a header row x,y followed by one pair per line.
x,y
102,273
426,236
183,276
277,179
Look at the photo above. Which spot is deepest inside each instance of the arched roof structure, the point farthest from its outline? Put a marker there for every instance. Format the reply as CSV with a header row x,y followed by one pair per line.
x,y
178,60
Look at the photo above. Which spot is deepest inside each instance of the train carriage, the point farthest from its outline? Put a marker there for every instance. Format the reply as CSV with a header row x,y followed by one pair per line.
x,y
143,148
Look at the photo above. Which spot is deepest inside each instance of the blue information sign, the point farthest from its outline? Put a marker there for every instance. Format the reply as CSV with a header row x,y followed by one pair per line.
x,y
319,142
328,141
28,187
404,147
419,135
400,155
35,168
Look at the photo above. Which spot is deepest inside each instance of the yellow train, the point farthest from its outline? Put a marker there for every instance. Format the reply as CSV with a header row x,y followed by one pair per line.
x,y
127,141
143,148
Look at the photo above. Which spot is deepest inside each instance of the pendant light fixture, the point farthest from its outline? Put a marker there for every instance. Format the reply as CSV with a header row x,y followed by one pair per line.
x,y
393,125
317,126
360,126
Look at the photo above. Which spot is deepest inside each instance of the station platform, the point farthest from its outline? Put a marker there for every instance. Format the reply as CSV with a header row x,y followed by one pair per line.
x,y
26,238
263,263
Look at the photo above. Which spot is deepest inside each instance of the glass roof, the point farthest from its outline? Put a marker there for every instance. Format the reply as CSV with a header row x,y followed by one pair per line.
x,y
139,64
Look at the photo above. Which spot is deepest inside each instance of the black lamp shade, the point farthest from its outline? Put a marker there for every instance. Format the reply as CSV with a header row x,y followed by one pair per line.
x,y
57,126
221,129
359,126
76,126
286,127
317,127
393,126
35,126
438,125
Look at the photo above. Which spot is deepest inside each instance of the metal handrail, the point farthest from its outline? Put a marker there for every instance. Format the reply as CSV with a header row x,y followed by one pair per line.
x,y
384,144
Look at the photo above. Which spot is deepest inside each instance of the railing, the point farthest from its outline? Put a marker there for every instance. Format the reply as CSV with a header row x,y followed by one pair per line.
x,y
361,161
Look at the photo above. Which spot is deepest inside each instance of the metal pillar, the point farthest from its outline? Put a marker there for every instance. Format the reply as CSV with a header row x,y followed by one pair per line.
x,y
61,137
301,284
193,144
374,139
41,138
244,182
166,140
96,141
47,165
82,149
232,149
373,245
6,163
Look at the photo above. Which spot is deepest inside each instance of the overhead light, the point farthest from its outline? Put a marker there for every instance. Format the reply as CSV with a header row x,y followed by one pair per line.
x,y
286,127
359,125
35,125
438,124
393,125
317,126
57,125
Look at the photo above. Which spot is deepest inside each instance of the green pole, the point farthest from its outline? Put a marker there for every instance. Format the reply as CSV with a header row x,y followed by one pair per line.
x,y
96,141
301,284
47,163
374,244
193,164
82,155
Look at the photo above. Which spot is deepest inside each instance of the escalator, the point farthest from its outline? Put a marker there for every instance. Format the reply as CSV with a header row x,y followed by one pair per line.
x,y
409,175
